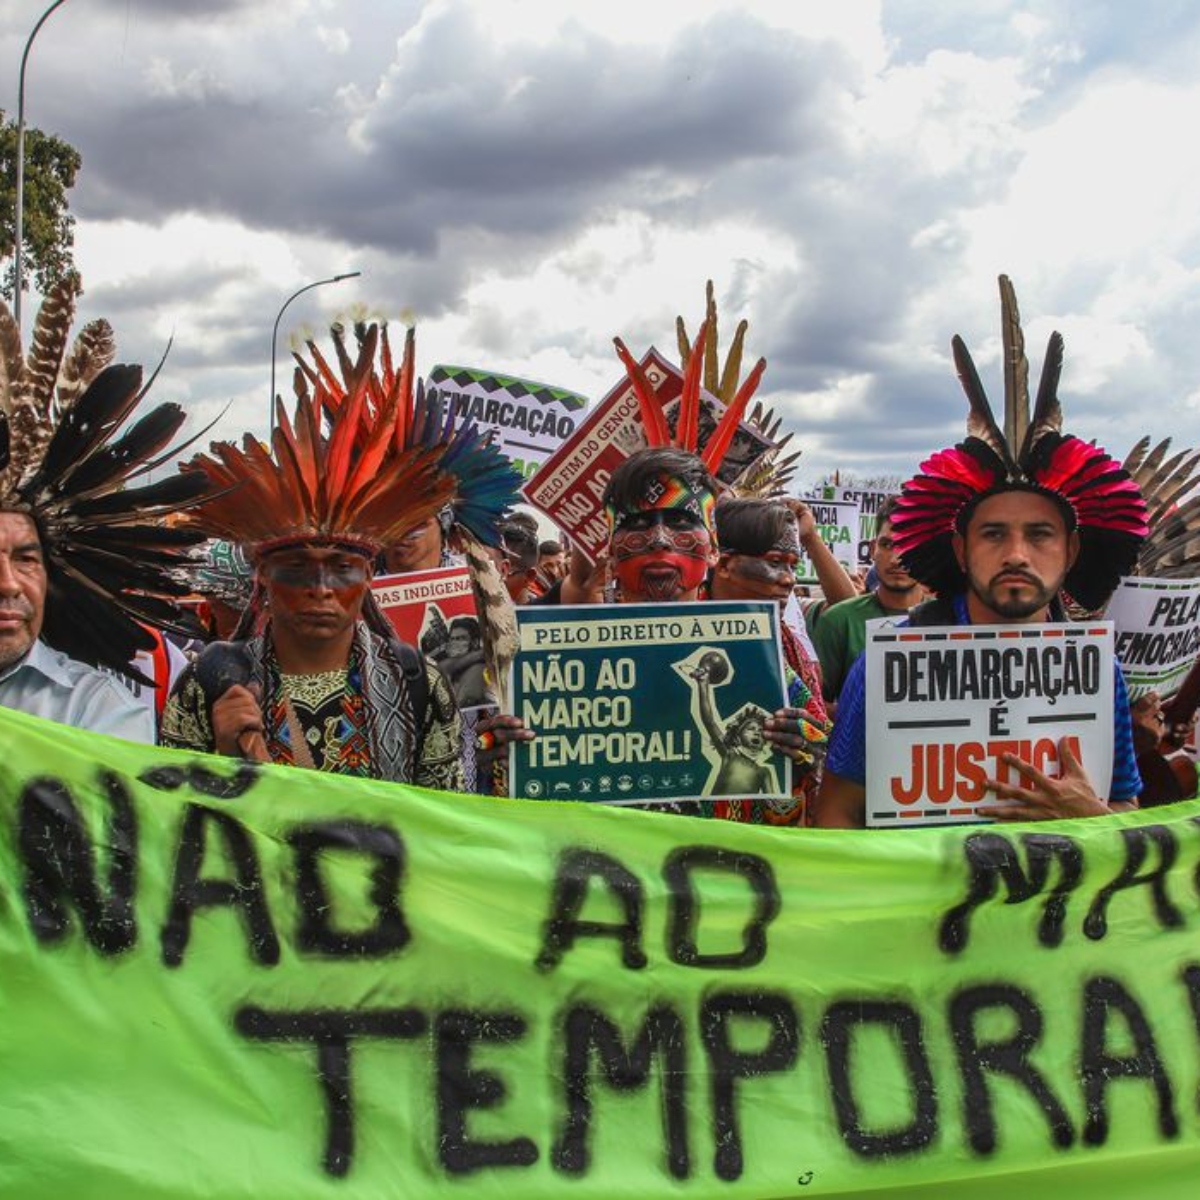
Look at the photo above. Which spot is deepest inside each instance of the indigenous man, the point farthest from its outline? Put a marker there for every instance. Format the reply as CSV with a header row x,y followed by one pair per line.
x,y
325,685
997,535
760,546
660,503
86,564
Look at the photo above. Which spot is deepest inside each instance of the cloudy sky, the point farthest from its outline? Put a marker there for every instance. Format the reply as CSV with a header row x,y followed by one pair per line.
x,y
527,179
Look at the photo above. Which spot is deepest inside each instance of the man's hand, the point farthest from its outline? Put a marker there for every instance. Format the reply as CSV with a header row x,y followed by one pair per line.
x,y
1045,799
237,723
806,523
792,732
493,735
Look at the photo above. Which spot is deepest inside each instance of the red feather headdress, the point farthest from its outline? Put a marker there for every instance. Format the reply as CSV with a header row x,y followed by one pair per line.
x,y
485,483
1099,496
687,429
361,485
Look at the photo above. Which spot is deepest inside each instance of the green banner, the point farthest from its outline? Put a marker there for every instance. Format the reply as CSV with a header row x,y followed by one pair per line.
x,y
224,981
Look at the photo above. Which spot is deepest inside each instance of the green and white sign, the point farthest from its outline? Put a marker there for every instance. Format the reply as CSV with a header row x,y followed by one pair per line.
x,y
529,419
638,702
219,980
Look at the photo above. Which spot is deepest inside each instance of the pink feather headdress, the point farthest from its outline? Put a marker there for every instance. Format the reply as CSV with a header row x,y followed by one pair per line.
x,y
1099,497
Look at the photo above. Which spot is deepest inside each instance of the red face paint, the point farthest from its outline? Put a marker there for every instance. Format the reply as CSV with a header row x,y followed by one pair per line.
x,y
315,592
660,554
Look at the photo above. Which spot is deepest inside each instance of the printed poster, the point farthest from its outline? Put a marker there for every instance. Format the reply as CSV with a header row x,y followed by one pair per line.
x,y
637,702
570,485
837,526
435,611
1157,625
529,419
944,704
869,504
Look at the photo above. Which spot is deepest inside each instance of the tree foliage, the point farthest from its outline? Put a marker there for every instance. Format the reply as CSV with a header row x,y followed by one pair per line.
x,y
51,166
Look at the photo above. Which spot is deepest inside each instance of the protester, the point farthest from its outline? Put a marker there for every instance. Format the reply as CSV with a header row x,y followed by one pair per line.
x,y
86,563
997,535
326,684
660,505
519,556
760,544
224,582
839,631
552,562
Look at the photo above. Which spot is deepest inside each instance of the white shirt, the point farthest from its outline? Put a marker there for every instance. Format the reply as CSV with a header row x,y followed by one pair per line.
x,y
46,683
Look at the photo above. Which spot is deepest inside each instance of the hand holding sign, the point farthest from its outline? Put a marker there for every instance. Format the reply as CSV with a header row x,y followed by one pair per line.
x,y
1046,799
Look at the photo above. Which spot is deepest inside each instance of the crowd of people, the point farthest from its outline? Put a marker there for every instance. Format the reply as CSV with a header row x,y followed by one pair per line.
x,y
228,608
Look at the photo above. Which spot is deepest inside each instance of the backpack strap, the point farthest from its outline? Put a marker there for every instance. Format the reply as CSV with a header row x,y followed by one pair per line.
x,y
412,663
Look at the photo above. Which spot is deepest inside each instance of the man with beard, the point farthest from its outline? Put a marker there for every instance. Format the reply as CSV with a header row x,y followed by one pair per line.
x,y
839,631
996,534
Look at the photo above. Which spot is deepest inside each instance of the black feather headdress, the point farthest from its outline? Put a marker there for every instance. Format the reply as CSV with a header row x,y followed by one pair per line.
x,y
1031,453
67,459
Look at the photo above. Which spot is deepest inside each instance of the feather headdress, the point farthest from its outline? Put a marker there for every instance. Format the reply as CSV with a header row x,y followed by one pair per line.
x,y
769,474
686,435
486,484
1171,487
361,485
483,482
1031,453
67,460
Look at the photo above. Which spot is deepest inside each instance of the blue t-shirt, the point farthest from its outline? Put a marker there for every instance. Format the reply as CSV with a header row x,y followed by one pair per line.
x,y
848,743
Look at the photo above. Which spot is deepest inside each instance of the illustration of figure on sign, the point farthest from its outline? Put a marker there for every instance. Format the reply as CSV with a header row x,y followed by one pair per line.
x,y
737,746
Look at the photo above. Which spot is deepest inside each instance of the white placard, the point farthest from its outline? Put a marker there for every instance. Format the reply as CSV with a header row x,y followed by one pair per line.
x,y
1157,623
942,705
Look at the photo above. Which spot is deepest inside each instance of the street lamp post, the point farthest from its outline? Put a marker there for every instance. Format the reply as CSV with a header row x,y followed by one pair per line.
x,y
18,243
275,331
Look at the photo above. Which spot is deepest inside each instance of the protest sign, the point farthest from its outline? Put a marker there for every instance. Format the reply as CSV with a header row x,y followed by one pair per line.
x,y
569,486
648,702
529,419
1157,624
837,526
258,983
435,611
869,503
944,704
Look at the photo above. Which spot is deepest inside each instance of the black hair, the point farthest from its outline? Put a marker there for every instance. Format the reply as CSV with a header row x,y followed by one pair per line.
x,y
630,482
887,510
751,526
519,532
471,625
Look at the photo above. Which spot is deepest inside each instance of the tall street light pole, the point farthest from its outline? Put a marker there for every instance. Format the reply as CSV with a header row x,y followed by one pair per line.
x,y
18,244
275,331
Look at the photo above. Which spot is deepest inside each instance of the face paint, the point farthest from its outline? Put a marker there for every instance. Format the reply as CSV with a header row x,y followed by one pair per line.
x,y
334,574
668,493
315,593
769,576
660,554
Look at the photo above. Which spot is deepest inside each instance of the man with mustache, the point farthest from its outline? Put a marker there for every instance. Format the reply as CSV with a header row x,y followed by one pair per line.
x,y
996,533
41,681
87,564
